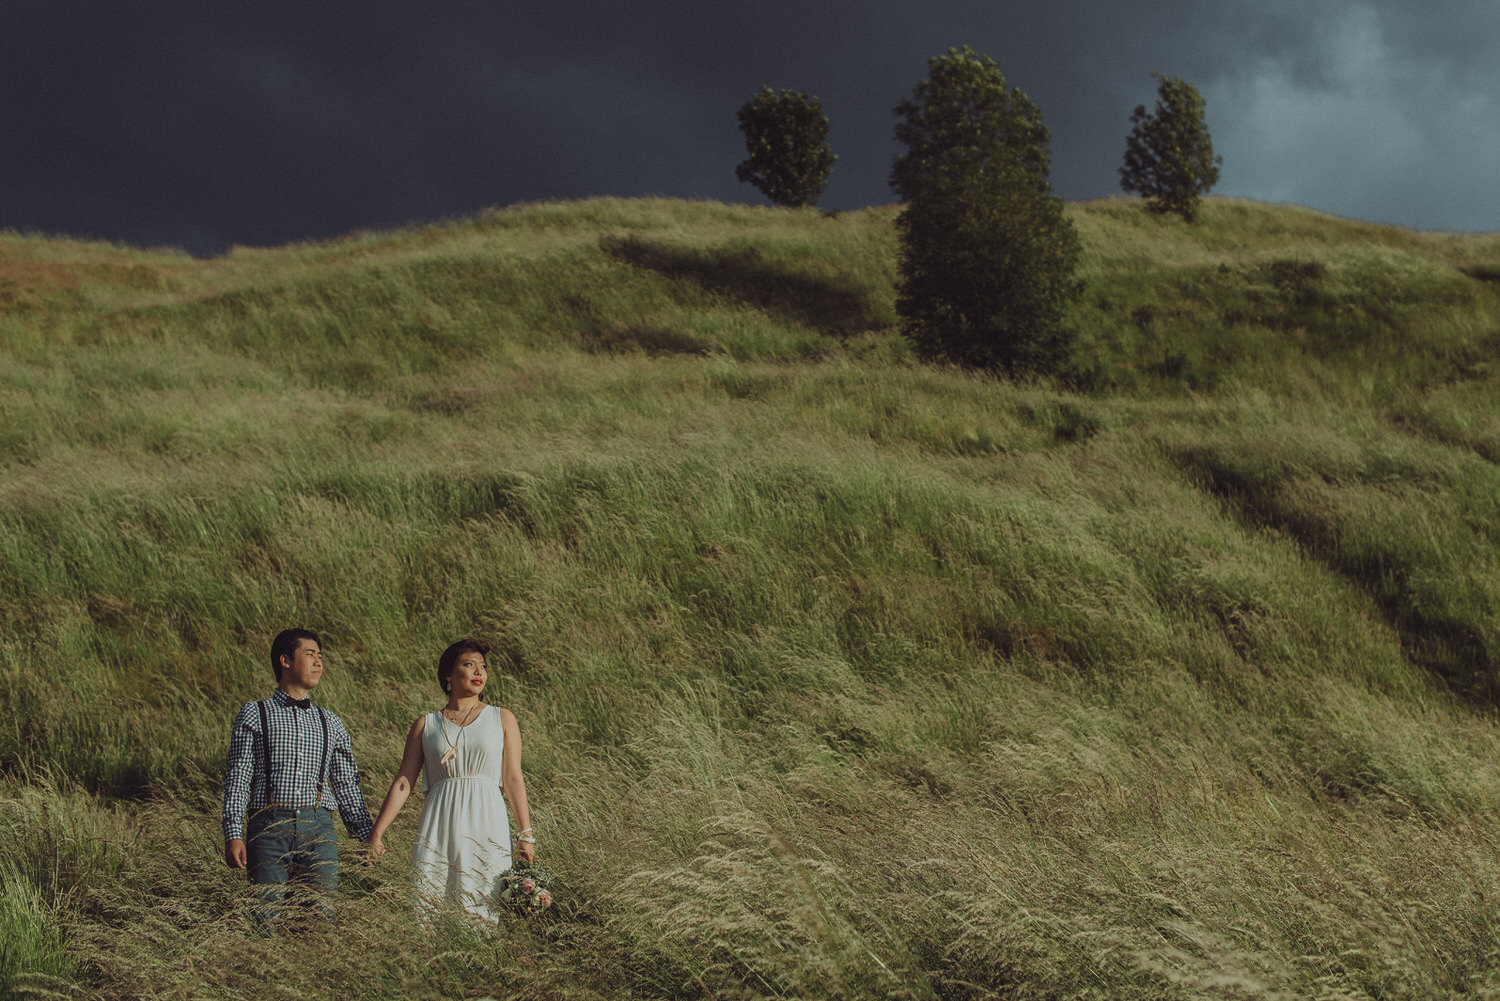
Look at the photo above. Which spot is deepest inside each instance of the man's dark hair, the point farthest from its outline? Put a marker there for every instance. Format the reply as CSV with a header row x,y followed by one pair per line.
x,y
449,660
285,645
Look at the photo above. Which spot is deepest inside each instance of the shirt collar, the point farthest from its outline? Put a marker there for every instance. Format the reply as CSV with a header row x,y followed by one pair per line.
x,y
283,699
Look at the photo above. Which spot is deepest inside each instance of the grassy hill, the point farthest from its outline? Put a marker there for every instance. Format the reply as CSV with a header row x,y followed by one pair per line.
x,y
839,675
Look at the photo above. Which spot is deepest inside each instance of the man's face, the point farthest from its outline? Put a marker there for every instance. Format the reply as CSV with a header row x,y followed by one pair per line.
x,y
306,667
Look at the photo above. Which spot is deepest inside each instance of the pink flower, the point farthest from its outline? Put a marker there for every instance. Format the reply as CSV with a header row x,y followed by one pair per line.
x,y
544,899
527,885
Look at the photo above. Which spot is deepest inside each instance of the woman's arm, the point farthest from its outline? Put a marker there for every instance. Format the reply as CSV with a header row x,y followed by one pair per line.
x,y
406,779
513,783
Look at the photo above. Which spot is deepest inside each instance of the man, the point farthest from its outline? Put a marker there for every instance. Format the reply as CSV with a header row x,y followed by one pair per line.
x,y
290,765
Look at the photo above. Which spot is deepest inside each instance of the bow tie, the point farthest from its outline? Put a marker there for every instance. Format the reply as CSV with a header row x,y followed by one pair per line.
x,y
300,703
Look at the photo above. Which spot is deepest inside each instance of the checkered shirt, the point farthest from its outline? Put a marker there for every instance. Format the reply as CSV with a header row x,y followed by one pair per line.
x,y
297,756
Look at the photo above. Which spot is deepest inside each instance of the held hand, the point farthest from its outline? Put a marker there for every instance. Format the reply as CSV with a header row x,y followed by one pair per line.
x,y
374,850
527,851
234,853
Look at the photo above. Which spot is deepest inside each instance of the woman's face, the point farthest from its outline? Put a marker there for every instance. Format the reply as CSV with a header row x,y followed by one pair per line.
x,y
468,675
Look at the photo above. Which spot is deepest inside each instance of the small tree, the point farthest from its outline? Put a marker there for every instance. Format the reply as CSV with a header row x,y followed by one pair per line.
x,y
786,135
1169,156
987,255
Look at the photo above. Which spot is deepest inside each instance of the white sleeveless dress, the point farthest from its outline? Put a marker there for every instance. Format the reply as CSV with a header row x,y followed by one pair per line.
x,y
463,837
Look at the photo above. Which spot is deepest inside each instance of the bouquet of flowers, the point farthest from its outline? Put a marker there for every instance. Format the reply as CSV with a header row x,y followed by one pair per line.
x,y
525,888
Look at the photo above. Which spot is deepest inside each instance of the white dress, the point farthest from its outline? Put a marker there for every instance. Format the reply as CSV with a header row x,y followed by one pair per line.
x,y
463,838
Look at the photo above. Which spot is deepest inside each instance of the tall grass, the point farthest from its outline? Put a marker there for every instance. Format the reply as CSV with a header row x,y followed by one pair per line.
x,y
839,676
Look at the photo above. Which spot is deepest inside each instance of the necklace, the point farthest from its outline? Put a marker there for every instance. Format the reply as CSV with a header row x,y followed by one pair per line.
x,y
447,759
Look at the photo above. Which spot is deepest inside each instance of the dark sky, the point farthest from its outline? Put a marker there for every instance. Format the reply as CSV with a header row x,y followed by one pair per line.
x,y
204,124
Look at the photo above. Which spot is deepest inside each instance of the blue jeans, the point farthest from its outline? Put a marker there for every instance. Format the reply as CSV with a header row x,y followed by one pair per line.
x,y
292,854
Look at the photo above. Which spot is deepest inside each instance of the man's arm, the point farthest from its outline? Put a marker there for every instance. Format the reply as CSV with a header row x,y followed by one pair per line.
x,y
237,775
343,777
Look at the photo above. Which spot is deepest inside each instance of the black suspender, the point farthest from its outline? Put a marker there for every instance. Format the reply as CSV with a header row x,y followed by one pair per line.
x,y
265,746
322,772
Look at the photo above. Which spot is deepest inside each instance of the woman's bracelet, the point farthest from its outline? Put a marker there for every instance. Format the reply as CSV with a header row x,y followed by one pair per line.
x,y
526,838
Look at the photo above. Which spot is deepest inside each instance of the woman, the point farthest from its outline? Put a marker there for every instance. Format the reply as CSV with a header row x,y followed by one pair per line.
x,y
468,754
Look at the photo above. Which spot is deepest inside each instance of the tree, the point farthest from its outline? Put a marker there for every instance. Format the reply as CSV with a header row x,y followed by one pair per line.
x,y
1169,156
786,135
987,255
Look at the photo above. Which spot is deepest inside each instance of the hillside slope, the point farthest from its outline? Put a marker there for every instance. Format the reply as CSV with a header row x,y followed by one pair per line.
x,y
839,675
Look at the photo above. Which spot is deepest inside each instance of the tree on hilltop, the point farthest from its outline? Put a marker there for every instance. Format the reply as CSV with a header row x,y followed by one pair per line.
x,y
786,136
1169,155
987,255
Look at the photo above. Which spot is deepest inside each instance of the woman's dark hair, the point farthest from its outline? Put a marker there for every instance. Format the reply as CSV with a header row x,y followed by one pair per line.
x,y
285,645
449,660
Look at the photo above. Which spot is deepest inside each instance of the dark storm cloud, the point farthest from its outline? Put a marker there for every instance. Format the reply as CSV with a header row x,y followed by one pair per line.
x,y
204,125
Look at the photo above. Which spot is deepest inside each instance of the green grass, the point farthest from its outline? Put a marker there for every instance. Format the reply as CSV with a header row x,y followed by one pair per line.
x,y
839,675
